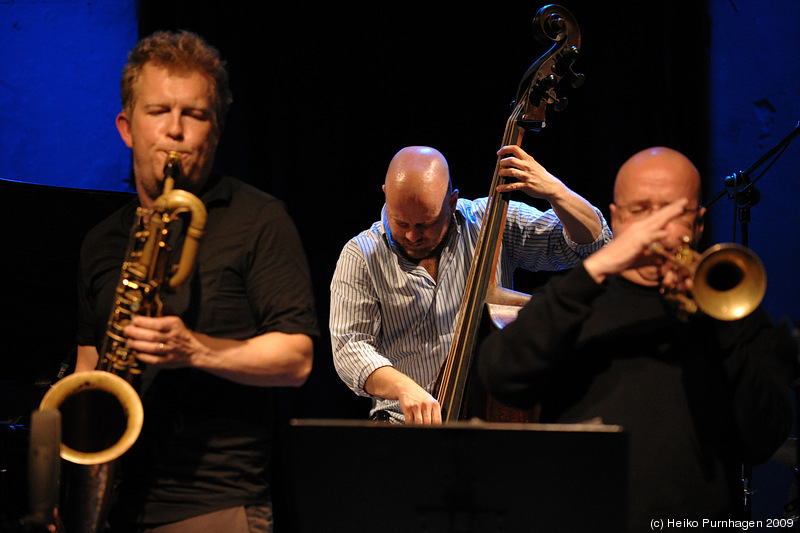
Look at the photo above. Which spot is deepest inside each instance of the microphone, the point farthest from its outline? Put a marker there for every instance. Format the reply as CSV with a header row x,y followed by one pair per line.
x,y
732,183
44,469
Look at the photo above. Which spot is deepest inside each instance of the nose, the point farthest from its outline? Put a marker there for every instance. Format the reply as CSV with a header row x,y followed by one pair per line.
x,y
676,231
413,235
175,126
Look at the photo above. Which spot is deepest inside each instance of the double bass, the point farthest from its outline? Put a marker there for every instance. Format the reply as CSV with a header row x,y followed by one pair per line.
x,y
460,396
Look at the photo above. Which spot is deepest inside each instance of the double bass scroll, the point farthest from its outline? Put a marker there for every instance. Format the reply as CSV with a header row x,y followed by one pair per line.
x,y
459,396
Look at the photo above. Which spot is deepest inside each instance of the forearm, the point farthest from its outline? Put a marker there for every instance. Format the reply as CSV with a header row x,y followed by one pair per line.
x,y
579,218
389,383
273,359
418,406
524,173
87,359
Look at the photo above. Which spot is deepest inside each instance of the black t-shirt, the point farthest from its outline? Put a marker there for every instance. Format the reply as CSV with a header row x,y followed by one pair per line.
x,y
205,441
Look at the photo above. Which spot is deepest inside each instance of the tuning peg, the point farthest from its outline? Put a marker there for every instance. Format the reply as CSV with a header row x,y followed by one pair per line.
x,y
548,82
576,79
560,103
570,56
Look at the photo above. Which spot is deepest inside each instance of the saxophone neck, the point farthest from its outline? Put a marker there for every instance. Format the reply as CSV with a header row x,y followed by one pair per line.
x,y
172,170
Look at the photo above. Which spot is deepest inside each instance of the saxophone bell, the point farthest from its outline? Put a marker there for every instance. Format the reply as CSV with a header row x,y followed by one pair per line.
x,y
86,398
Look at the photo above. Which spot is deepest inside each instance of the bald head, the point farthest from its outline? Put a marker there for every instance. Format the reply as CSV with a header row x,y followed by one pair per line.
x,y
646,183
654,168
419,200
418,171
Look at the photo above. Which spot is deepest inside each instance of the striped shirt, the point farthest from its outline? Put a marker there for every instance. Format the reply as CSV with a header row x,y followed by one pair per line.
x,y
388,311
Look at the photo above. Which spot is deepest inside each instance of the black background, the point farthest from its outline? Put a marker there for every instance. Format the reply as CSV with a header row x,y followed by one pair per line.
x,y
324,95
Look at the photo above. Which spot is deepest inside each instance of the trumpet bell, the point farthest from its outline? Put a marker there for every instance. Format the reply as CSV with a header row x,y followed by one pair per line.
x,y
101,413
729,282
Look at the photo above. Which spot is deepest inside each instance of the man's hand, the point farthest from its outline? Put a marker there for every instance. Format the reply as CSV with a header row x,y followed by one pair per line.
x,y
631,248
163,341
527,174
579,218
418,406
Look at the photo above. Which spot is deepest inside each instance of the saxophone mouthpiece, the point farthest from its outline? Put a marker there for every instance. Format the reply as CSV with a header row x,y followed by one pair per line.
x,y
172,170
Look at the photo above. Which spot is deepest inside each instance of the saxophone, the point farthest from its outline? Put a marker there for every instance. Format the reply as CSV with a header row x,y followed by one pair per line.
x,y
101,411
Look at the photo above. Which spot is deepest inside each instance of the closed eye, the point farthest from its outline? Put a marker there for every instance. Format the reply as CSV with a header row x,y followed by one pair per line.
x,y
157,110
199,114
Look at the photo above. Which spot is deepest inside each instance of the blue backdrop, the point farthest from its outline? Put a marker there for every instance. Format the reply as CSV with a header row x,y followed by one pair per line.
x,y
59,92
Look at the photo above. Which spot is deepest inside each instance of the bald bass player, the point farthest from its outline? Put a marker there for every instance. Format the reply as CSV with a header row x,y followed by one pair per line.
x,y
397,287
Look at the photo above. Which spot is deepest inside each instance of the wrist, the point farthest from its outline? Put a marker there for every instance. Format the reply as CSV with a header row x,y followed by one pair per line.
x,y
593,266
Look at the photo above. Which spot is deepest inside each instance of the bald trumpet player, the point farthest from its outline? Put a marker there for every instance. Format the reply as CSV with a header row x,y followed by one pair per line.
x,y
698,396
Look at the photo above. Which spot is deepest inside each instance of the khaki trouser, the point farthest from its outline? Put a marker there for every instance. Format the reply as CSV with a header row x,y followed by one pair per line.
x,y
253,519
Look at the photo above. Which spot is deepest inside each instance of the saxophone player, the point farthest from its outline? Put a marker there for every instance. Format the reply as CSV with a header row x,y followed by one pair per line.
x,y
243,322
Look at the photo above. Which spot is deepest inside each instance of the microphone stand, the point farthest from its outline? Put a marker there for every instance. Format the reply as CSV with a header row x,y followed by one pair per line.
x,y
742,190
792,508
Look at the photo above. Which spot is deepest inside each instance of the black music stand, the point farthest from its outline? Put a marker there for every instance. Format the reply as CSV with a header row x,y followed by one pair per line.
x,y
462,477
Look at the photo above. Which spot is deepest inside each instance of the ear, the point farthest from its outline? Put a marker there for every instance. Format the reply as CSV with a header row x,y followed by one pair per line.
x,y
453,201
124,128
614,214
699,224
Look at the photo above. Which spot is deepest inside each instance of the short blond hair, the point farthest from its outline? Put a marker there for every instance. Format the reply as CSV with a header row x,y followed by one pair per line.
x,y
181,50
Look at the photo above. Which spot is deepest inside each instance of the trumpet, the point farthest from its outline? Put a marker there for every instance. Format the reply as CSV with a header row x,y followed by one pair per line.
x,y
728,280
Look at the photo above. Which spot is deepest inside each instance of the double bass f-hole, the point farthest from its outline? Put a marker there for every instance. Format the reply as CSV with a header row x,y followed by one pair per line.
x,y
459,396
